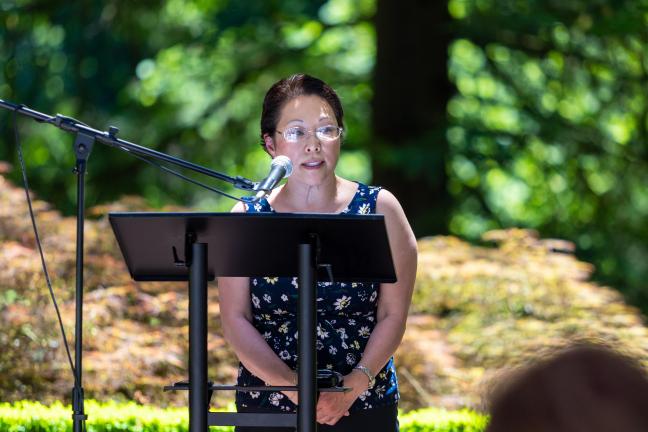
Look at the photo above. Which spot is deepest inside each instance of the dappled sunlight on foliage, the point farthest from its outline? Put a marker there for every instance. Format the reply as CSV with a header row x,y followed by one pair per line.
x,y
135,334
549,127
477,312
480,311
183,77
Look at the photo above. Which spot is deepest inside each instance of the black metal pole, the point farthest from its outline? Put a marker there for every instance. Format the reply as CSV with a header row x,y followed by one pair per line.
x,y
307,362
198,338
82,148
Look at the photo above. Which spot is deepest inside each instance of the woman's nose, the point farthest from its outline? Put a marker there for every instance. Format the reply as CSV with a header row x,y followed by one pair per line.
x,y
313,144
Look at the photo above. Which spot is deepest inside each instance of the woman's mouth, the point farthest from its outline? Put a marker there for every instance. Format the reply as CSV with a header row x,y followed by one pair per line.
x,y
313,164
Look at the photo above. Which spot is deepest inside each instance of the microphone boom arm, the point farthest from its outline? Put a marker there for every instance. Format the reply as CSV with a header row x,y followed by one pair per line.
x,y
109,137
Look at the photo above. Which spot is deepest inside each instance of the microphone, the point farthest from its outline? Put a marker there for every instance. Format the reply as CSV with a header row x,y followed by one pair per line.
x,y
281,167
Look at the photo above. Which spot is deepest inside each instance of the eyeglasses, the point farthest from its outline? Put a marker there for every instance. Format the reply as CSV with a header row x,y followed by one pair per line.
x,y
323,133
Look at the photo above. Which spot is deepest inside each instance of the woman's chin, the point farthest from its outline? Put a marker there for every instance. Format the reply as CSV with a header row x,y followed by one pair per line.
x,y
314,177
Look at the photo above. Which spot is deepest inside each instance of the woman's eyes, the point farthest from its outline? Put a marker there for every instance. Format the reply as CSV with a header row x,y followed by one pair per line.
x,y
296,132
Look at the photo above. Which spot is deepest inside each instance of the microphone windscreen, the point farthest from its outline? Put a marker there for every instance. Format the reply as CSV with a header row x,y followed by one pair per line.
x,y
285,163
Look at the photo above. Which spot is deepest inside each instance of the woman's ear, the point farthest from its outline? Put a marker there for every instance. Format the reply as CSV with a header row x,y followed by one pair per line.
x,y
269,145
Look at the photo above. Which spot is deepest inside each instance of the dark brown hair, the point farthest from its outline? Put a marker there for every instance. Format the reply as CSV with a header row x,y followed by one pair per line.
x,y
289,88
584,388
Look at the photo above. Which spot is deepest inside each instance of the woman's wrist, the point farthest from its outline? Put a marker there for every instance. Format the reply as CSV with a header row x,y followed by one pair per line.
x,y
357,381
290,378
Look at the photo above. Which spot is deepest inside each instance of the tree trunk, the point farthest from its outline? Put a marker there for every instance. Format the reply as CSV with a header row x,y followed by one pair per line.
x,y
411,90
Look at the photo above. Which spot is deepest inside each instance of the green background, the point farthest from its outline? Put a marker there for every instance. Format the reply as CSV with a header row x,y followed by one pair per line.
x,y
477,114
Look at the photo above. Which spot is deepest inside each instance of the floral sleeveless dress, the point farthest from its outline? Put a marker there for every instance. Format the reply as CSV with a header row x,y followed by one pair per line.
x,y
346,318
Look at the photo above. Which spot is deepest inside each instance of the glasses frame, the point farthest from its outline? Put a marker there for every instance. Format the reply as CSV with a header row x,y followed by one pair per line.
x,y
310,132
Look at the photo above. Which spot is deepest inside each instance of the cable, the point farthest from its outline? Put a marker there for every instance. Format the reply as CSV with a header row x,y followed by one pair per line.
x,y
184,177
38,242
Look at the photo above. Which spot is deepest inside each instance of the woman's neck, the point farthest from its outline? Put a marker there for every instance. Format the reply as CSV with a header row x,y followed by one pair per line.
x,y
299,197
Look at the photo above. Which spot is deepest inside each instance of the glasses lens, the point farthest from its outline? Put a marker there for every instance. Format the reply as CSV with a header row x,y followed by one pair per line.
x,y
328,133
294,134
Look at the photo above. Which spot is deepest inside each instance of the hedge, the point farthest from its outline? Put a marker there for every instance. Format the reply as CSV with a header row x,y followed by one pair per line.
x,y
26,416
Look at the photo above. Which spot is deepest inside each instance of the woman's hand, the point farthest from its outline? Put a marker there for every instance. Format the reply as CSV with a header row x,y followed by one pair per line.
x,y
332,406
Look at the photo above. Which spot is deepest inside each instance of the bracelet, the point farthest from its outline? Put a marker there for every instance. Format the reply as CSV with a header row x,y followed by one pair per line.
x,y
366,371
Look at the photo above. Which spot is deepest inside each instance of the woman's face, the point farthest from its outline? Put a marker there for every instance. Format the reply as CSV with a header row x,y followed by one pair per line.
x,y
313,160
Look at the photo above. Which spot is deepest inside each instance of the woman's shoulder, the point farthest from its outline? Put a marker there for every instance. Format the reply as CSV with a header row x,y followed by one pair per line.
x,y
386,200
239,207
388,205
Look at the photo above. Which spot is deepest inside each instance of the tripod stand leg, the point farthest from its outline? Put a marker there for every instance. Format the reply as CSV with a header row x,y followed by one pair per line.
x,y
198,338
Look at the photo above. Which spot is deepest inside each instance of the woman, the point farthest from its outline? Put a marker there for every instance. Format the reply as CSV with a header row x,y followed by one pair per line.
x,y
359,325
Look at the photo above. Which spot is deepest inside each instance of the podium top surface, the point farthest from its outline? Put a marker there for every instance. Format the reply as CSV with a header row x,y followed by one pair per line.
x,y
253,244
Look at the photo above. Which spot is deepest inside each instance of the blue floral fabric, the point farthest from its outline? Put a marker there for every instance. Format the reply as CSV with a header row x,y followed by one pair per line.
x,y
346,318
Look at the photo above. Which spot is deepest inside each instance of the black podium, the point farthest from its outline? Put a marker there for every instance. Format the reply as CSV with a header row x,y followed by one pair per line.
x,y
201,246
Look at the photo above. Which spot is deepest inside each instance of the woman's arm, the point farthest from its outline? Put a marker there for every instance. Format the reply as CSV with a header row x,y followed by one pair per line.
x,y
395,298
393,305
248,344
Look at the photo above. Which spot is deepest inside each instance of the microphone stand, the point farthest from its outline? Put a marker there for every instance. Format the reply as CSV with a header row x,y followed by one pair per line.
x,y
85,137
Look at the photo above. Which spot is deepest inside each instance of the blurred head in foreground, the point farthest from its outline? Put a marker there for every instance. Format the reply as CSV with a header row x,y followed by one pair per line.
x,y
584,388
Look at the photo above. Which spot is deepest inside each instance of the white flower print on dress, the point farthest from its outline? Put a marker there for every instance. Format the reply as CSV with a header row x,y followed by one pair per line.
x,y
350,359
255,301
364,332
364,209
380,391
284,355
284,328
364,395
321,333
373,296
295,283
332,350
343,337
275,398
267,298
271,280
342,302
284,297
279,312
254,395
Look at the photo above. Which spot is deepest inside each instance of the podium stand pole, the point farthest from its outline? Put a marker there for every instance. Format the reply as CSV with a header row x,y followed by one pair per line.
x,y
198,338
307,362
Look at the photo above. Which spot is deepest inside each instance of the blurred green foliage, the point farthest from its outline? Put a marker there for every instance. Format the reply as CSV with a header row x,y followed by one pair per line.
x,y
26,416
183,77
549,127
